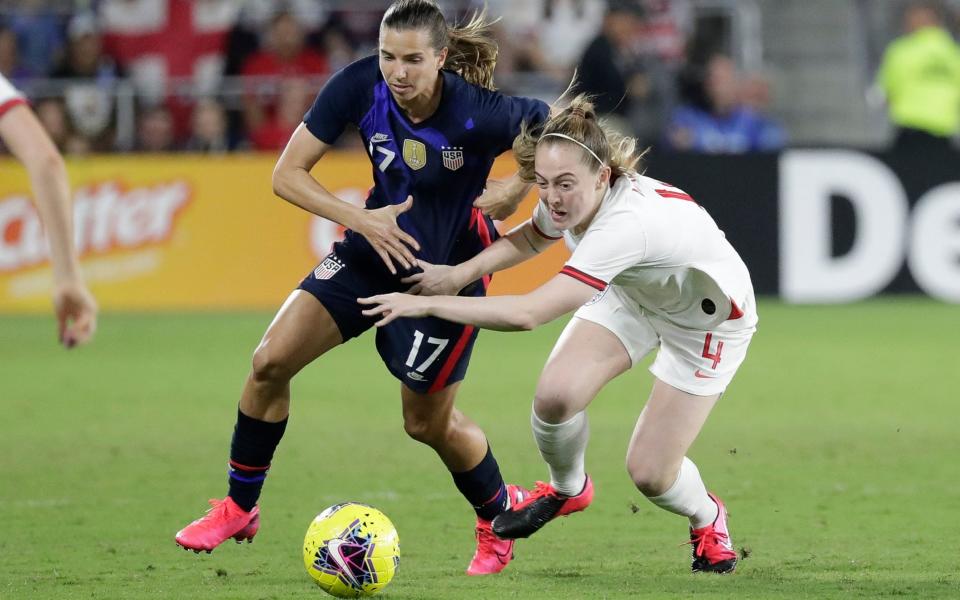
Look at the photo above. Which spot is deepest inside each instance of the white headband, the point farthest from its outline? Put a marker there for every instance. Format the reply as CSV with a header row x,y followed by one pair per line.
x,y
581,144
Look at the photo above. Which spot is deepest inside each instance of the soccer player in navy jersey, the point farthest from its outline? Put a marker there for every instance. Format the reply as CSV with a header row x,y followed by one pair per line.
x,y
432,126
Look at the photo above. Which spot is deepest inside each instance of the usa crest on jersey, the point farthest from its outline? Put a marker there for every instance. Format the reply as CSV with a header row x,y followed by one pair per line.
x,y
452,157
328,268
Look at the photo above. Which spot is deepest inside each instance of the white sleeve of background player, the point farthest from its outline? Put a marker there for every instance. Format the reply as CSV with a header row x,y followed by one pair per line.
x,y
9,96
607,251
543,225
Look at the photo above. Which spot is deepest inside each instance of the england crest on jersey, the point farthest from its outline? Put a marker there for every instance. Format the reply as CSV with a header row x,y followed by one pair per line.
x,y
452,157
328,268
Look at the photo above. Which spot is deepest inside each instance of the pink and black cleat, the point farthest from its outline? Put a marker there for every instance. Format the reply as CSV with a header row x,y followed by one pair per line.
x,y
494,554
543,505
712,547
224,520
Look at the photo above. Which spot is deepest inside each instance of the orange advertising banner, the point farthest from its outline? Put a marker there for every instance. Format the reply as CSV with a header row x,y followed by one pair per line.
x,y
190,232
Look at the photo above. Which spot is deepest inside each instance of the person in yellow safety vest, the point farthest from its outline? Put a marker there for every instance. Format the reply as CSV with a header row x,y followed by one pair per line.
x,y
920,75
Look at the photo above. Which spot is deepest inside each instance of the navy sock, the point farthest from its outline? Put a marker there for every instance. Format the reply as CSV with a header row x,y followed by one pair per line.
x,y
483,487
251,451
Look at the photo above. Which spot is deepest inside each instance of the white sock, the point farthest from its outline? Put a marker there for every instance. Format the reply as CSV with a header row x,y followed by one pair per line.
x,y
688,497
563,446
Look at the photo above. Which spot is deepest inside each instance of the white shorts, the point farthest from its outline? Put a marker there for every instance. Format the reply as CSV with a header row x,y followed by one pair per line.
x,y
697,362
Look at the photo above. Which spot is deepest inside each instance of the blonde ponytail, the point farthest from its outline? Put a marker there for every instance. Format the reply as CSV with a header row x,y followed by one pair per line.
x,y
578,121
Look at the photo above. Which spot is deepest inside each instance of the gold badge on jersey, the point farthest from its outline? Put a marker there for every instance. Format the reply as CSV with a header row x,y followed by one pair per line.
x,y
414,154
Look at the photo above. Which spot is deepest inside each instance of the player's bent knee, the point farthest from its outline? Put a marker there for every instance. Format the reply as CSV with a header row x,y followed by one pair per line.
x,y
552,404
268,367
415,429
650,478
424,431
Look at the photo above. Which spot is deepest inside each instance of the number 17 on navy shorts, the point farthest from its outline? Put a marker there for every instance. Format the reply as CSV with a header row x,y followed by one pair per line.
x,y
426,354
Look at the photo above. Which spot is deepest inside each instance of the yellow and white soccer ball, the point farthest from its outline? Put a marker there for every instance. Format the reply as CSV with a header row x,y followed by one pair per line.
x,y
351,550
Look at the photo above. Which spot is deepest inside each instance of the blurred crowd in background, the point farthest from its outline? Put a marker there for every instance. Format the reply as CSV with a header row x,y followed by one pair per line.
x,y
227,75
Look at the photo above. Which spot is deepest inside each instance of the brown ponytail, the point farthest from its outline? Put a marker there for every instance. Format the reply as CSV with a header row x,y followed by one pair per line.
x,y
472,49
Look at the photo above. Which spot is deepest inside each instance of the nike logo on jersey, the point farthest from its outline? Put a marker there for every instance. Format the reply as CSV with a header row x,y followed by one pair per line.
x,y
379,138
701,375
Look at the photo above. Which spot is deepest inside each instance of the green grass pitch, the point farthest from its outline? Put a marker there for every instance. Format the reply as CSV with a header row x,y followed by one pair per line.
x,y
835,449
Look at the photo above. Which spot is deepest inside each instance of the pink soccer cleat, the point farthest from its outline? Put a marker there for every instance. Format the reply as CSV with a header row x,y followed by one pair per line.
x,y
712,547
223,520
543,505
494,554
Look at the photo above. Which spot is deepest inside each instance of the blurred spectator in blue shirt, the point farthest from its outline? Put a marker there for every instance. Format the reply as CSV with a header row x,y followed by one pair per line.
x,y
715,119
10,65
38,25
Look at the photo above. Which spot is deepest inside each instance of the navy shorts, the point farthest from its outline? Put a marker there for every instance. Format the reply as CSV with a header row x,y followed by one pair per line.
x,y
426,354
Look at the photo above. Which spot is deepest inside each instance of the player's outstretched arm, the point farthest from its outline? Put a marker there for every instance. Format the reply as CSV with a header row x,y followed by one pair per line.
x,y
555,298
292,182
501,197
519,244
74,306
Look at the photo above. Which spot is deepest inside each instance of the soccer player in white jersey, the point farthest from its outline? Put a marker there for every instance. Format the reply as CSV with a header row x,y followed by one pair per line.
x,y
23,134
649,269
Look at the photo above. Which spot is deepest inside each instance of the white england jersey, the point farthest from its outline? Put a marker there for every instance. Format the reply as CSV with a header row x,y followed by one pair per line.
x,y
664,251
9,96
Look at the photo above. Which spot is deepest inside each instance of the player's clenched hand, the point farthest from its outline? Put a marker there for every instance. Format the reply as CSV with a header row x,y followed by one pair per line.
x,y
435,280
499,200
76,312
388,240
394,306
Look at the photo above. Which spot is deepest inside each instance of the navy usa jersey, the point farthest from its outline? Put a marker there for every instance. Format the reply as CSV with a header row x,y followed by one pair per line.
x,y
443,162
